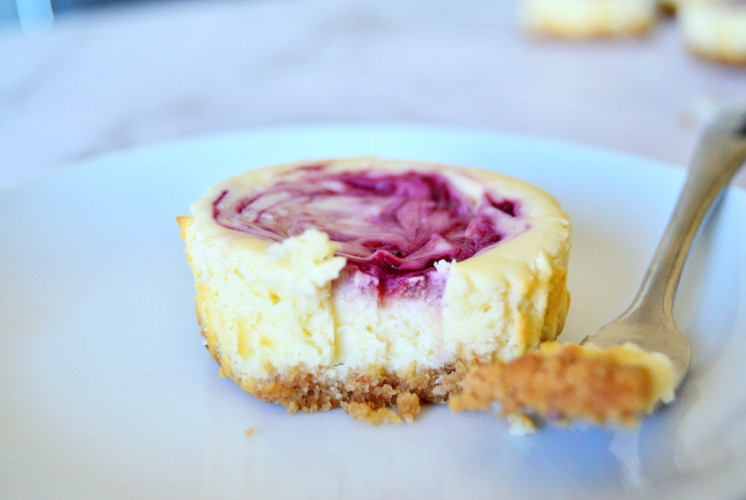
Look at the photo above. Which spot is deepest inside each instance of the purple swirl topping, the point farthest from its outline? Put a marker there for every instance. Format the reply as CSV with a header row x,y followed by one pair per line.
x,y
390,226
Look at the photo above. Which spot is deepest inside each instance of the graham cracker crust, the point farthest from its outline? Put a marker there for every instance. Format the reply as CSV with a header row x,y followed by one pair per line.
x,y
368,396
560,388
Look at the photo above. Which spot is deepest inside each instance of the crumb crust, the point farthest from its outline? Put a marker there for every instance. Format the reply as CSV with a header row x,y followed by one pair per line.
x,y
561,387
367,395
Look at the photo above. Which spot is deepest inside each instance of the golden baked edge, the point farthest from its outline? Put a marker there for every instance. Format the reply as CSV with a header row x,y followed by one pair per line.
x,y
587,19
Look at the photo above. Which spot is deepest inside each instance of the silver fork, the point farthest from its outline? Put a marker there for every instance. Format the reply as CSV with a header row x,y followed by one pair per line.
x,y
648,322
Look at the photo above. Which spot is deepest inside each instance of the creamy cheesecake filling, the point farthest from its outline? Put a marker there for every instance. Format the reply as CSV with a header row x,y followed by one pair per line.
x,y
359,280
391,227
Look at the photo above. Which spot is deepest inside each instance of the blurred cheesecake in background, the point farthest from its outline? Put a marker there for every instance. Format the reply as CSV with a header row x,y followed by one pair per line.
x,y
581,19
714,29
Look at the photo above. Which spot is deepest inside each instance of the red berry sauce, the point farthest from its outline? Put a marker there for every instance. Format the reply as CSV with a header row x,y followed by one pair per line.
x,y
390,226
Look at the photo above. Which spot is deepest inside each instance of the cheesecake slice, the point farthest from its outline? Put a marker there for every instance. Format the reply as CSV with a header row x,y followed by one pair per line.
x,y
372,284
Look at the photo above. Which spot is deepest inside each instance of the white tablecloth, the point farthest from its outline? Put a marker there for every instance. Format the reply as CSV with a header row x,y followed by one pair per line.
x,y
117,78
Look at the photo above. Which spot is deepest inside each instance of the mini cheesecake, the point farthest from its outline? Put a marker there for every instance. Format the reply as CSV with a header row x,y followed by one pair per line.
x,y
369,283
714,29
583,19
567,382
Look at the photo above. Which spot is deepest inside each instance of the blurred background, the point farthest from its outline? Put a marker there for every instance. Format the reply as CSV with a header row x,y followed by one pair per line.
x,y
41,10
79,78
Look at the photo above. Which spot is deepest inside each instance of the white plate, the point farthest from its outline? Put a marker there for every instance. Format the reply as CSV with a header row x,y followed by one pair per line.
x,y
107,391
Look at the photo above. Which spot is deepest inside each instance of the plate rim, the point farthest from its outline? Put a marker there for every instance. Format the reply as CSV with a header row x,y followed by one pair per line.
x,y
209,140
200,141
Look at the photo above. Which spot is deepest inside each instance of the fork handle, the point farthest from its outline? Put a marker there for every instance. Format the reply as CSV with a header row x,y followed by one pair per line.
x,y
718,156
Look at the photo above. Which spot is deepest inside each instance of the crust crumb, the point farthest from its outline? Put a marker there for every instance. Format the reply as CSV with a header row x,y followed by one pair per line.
x,y
407,405
369,415
520,425
249,432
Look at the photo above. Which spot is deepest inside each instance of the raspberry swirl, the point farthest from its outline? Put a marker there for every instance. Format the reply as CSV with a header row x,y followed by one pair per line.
x,y
388,225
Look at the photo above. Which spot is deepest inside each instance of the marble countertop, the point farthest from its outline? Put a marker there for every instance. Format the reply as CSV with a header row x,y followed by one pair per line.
x,y
118,78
